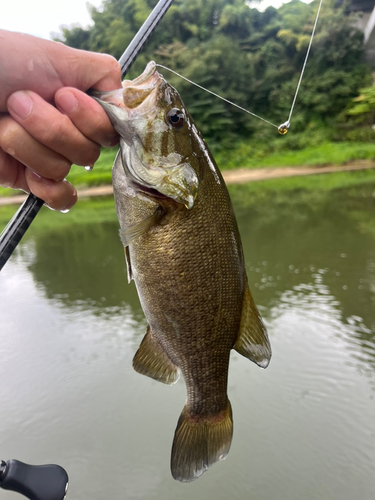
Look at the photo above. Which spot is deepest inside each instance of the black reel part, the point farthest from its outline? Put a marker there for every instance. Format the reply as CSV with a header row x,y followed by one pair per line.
x,y
36,482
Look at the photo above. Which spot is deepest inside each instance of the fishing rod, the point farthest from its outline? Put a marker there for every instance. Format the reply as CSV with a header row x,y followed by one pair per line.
x,y
21,221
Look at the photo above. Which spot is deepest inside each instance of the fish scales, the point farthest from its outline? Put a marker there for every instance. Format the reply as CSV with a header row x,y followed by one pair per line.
x,y
193,305
184,253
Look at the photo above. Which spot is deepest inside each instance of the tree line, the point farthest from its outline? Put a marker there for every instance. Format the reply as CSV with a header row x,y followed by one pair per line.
x,y
250,57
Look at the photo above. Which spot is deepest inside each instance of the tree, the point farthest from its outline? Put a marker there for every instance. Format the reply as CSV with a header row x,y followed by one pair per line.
x,y
253,58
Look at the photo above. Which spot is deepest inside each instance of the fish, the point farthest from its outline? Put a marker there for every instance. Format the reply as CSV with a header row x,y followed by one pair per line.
x,y
183,251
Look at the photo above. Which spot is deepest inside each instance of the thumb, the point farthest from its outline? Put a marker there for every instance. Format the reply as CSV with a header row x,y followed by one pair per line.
x,y
85,70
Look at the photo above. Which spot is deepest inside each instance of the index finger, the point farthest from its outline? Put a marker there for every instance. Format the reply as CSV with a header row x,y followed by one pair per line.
x,y
87,116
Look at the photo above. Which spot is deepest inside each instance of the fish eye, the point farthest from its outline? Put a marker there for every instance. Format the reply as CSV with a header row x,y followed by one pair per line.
x,y
175,117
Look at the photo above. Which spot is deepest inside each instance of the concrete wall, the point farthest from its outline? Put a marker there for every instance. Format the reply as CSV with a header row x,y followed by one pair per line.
x,y
365,10
369,32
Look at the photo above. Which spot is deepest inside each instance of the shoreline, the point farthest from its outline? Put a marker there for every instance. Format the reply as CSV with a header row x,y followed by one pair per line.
x,y
237,176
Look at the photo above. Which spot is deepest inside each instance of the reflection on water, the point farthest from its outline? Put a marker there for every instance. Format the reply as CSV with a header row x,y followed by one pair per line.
x,y
87,265
304,428
316,257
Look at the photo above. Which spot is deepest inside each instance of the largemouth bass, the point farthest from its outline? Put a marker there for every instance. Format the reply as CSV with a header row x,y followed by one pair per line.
x,y
183,250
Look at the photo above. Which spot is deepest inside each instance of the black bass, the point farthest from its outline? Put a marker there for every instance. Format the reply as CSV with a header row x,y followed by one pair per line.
x,y
183,250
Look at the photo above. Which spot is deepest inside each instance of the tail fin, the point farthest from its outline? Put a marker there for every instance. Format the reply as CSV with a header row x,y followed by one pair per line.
x,y
199,443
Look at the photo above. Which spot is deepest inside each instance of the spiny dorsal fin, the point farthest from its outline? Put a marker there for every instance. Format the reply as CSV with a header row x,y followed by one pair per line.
x,y
252,341
151,360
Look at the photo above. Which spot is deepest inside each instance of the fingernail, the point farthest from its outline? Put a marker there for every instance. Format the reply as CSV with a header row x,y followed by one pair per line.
x,y
73,201
110,142
66,102
21,104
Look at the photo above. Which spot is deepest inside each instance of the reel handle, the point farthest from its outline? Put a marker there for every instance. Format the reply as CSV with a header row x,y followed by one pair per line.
x,y
36,482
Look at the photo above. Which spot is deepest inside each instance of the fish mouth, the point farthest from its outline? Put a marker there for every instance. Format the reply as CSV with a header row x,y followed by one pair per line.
x,y
141,92
134,102
143,78
136,98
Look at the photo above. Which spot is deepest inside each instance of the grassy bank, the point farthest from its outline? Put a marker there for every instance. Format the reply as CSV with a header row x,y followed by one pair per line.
x,y
245,155
79,177
312,183
358,185
88,210
242,155
338,153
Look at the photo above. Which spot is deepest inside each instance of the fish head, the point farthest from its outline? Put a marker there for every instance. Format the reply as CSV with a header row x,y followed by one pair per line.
x,y
155,132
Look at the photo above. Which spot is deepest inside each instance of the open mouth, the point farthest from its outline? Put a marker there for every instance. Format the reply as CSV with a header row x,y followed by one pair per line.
x,y
149,70
138,92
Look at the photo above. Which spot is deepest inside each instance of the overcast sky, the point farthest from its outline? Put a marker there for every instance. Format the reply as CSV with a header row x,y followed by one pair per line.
x,y
43,17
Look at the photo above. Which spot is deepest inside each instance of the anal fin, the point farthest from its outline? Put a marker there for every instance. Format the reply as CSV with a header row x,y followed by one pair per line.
x,y
151,360
252,341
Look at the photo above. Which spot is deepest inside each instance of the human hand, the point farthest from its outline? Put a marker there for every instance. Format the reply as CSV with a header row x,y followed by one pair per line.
x,y
38,141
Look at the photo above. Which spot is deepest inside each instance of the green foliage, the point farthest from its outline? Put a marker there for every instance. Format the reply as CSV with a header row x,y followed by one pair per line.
x,y
76,37
319,152
364,104
252,58
357,120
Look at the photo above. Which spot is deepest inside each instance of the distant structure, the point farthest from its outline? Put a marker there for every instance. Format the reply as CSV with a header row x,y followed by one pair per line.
x,y
366,23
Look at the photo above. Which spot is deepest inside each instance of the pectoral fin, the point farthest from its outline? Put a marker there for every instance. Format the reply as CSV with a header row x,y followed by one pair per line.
x,y
252,341
128,234
151,360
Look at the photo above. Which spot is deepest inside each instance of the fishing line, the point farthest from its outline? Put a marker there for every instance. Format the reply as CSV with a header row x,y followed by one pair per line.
x,y
217,95
304,64
284,127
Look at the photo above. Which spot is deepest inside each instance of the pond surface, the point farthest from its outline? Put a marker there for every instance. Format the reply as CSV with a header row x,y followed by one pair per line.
x,y
303,429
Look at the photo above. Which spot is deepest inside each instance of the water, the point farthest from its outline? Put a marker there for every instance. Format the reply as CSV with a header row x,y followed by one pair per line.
x,y
303,428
